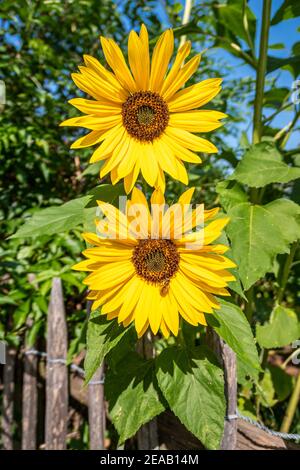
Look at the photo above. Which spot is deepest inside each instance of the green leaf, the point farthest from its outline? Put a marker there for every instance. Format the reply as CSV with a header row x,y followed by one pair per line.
x,y
102,336
230,194
106,193
133,394
54,219
283,383
277,45
267,390
230,15
5,299
262,164
289,9
193,385
235,286
231,324
292,63
21,313
275,97
92,169
259,233
282,329
289,213
34,332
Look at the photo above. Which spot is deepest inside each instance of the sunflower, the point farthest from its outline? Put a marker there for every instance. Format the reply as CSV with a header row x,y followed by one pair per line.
x,y
141,116
148,267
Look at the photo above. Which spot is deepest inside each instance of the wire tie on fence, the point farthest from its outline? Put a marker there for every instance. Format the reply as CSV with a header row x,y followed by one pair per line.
x,y
232,417
97,382
34,352
77,369
56,360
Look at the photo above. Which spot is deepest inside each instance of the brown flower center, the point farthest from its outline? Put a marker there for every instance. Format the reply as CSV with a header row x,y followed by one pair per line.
x,y
156,261
145,115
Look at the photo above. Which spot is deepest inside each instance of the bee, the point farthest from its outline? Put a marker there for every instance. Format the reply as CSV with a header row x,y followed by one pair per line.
x,y
165,285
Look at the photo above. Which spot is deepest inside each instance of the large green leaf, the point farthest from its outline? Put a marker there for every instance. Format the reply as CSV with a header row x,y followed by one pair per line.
x,y
291,63
231,17
275,97
288,214
133,395
193,385
102,336
262,164
283,383
231,324
287,10
266,390
259,233
282,329
66,217
233,285
230,193
106,193
103,192
54,219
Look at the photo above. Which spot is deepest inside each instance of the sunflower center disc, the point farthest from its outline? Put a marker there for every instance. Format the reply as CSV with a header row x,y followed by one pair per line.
x,y
145,115
156,261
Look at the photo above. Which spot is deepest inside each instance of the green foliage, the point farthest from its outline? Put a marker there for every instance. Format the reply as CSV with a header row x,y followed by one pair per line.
x,y
282,329
288,9
258,234
133,394
262,164
230,194
55,219
102,336
192,383
282,382
231,324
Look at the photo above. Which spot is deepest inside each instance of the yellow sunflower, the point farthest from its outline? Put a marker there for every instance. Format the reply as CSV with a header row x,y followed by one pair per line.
x,y
141,117
140,273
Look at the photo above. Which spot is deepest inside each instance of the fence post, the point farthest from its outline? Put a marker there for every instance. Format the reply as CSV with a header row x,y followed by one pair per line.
x,y
147,436
57,373
228,360
29,401
8,399
96,410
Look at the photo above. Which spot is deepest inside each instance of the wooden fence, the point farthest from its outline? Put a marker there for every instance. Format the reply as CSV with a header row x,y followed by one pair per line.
x,y
64,387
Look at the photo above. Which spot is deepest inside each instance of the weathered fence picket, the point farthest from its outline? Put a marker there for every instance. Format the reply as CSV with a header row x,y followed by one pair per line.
x,y
227,359
8,399
29,401
57,372
96,410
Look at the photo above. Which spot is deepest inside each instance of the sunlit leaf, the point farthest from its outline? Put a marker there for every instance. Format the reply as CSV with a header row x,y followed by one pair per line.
x,y
133,394
193,385
259,233
262,164
282,329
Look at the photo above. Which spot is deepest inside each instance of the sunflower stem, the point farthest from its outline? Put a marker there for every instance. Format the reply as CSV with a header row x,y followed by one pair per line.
x,y
257,117
286,272
292,406
261,72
